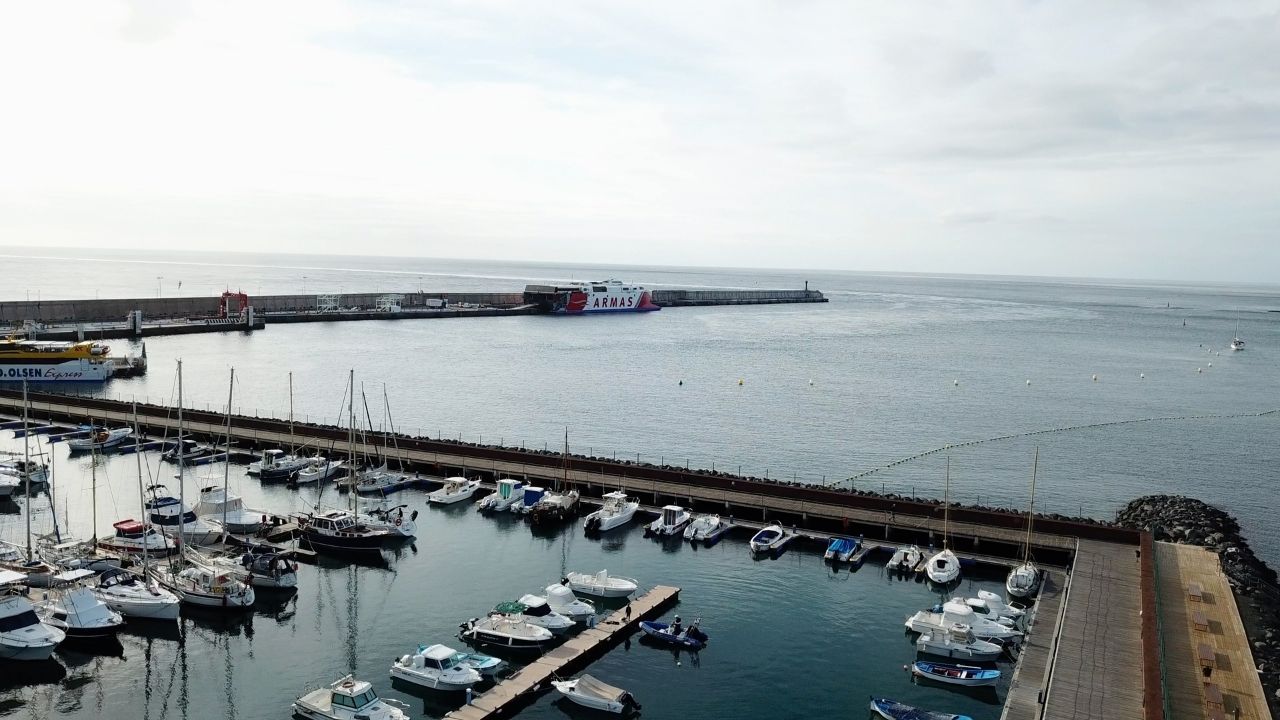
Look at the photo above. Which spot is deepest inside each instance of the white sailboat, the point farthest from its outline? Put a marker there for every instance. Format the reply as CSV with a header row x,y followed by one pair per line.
x,y
944,567
1024,580
1236,342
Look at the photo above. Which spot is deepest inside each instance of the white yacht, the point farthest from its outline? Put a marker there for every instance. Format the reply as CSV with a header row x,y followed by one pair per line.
x,y
318,470
562,600
346,699
261,570
508,494
616,511
216,504
535,611
954,612
167,513
512,632
437,667
670,522
958,641
383,480
136,597
601,584
77,610
205,586
589,692
22,635
456,489
99,439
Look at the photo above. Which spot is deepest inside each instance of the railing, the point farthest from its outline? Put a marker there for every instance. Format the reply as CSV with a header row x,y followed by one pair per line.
x,y
1149,547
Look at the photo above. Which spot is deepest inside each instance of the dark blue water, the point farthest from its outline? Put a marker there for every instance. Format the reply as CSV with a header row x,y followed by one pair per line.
x,y
828,391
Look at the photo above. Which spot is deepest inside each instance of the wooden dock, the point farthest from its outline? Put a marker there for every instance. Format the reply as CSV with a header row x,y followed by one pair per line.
x,y
1031,675
508,696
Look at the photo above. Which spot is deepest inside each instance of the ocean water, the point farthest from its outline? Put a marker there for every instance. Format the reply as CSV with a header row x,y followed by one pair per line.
x,y
894,365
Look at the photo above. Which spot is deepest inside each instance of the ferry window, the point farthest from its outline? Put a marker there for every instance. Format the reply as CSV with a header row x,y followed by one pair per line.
x,y
600,288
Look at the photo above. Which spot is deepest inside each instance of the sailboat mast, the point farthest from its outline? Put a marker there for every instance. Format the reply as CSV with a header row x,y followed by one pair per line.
x,y
142,498
26,464
292,444
53,507
182,486
226,471
93,483
351,437
1031,508
564,462
946,506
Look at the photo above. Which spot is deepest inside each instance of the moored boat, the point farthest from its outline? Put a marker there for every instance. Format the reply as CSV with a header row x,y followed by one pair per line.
x,y
894,710
77,611
229,510
339,531
168,513
455,489
601,584
185,450
958,642
905,558
966,675
54,361
508,493
535,611
133,538
840,549
438,667
672,521
318,470
562,600
590,297
589,692
136,597
616,511
554,507
346,699
676,634
99,438
510,632
205,586
706,529
22,635
277,465
956,611
392,519
1024,580
768,539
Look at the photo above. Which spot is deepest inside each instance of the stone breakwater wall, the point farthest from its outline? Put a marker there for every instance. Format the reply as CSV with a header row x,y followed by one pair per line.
x,y
1180,519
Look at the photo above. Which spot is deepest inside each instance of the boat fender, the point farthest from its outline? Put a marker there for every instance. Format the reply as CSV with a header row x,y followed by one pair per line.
x,y
399,520
413,516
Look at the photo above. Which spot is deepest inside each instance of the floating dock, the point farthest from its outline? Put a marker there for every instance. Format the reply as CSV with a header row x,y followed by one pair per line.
x,y
510,695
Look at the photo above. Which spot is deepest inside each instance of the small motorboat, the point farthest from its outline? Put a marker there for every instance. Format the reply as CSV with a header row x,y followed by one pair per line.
x,y
510,632
264,570
617,510
536,611
840,549
99,438
22,635
997,605
589,692
77,611
676,634
706,529
277,465
384,481
967,675
768,539
508,493
134,597
956,611
346,699
894,710
601,584
318,470
392,519
486,665
943,568
1023,581
186,450
134,538
562,600
456,489
438,667
905,558
958,642
672,521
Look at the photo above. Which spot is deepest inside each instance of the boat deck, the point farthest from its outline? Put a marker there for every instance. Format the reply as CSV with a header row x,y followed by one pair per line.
x,y
1213,621
508,696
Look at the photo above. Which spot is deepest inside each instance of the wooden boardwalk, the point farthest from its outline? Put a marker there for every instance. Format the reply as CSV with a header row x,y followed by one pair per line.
x,y
1031,675
1097,668
508,696
1234,674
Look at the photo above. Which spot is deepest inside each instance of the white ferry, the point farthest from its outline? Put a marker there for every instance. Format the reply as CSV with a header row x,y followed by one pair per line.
x,y
592,297
54,361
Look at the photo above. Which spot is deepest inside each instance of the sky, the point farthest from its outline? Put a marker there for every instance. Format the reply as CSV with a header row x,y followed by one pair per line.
x,y
1096,138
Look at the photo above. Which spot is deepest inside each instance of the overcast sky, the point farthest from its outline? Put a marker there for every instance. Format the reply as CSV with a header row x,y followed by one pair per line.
x,y
1108,138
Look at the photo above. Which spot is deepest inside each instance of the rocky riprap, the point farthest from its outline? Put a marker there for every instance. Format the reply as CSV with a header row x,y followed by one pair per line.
x,y
1179,519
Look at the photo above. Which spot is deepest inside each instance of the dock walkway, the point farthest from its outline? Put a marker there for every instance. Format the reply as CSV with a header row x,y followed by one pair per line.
x,y
1035,657
508,696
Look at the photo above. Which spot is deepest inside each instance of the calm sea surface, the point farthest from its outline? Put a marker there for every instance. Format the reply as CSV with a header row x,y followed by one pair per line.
x,y
894,365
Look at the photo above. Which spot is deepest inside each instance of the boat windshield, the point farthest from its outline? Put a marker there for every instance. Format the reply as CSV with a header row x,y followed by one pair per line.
x,y
19,621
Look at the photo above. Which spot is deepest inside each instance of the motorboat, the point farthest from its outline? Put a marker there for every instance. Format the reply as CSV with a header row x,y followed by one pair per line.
x,y
339,531
277,465
25,472
992,604
672,521
134,538
77,611
966,675
486,665
589,692
99,438
219,505
562,600
456,489
958,642
957,612
38,573
894,710
943,568
206,586
136,597
318,470
185,450
601,584
676,634
616,511
167,513
22,635
536,611
391,519
706,529
529,499
840,549
905,558
507,494
437,667
554,507
346,699
768,539
511,632
382,480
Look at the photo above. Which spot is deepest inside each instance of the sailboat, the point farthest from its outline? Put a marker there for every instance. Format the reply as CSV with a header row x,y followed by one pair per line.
x,y
38,572
276,464
561,504
1236,342
944,567
1024,580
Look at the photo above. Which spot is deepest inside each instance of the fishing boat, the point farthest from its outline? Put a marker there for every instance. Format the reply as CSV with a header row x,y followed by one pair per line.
x,y
958,642
277,465
168,513
437,667
589,692
616,511
676,634
905,558
590,297
536,611
99,438
768,539
954,612
554,507
229,510
706,529
944,567
77,611
1024,580
840,549
339,531
185,450
562,600
456,489
672,521
507,493
894,710
966,675
133,538
319,470
511,632
346,699
136,597
390,518
601,584
22,635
